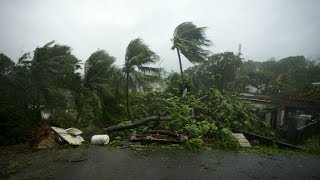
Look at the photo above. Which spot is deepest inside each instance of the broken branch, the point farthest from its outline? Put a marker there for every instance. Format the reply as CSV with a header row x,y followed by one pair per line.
x,y
135,124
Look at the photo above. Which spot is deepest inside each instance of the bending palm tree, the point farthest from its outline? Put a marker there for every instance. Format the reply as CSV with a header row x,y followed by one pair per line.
x,y
104,80
98,70
138,55
190,40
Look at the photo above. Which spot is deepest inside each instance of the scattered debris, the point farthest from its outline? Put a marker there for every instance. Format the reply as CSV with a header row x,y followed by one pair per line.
x,y
136,123
71,139
43,137
242,139
269,141
74,131
47,142
102,139
159,136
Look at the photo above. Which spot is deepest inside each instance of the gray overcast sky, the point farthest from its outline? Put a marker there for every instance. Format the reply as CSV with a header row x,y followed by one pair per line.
x,y
265,28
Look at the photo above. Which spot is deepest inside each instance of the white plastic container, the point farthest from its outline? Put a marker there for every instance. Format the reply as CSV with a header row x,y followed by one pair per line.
x,y
100,139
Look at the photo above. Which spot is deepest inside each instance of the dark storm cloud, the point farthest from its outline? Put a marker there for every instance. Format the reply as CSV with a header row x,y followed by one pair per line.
x,y
269,28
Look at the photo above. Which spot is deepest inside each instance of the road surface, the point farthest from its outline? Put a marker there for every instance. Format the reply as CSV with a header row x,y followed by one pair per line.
x,y
106,163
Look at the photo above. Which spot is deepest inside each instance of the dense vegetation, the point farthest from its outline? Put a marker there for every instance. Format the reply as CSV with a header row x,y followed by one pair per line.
x,y
48,82
291,76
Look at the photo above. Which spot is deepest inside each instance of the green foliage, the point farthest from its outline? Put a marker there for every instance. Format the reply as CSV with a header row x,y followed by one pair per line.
x,y
194,144
291,76
138,55
312,145
226,141
215,116
114,143
239,84
216,72
174,84
48,80
190,40
6,65
43,82
87,108
138,75
99,70
102,92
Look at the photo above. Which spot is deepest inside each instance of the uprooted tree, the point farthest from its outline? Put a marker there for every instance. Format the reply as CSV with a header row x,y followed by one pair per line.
x,y
199,116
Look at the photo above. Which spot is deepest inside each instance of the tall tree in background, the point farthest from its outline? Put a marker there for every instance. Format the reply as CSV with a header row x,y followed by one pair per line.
x,y
98,71
190,40
43,82
53,72
217,71
102,81
138,56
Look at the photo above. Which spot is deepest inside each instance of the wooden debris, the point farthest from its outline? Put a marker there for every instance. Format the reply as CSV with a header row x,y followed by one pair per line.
x,y
164,132
269,141
135,124
242,139
74,140
159,136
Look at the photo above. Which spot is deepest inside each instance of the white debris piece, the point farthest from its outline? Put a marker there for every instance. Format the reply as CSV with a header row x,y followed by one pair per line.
x,y
74,131
242,139
71,139
100,139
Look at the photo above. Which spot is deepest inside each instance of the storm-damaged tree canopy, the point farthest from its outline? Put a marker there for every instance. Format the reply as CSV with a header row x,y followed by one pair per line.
x,y
49,87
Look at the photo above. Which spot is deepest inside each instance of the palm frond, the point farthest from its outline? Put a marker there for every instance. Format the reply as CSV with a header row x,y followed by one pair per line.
x,y
100,57
191,40
99,68
139,54
192,51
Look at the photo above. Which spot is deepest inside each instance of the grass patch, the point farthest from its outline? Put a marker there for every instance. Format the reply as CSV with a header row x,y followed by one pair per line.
x,y
312,145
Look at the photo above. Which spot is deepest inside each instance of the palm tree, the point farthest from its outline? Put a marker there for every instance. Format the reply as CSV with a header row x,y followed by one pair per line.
x,y
190,40
104,80
138,55
98,70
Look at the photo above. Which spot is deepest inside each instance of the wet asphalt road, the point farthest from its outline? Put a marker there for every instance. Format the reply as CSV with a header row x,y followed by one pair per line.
x,y
103,163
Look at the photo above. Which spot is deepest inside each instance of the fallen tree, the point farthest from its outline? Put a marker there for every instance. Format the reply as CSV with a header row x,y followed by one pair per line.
x,y
135,124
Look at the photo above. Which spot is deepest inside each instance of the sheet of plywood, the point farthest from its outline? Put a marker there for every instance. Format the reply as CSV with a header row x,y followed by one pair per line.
x,y
74,140
242,139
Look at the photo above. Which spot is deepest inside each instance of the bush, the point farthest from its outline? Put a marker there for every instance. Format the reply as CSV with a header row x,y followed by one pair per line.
x,y
312,145
194,144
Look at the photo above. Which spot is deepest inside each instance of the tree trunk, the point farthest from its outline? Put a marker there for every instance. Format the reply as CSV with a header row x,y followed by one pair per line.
x,y
182,77
127,95
135,124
